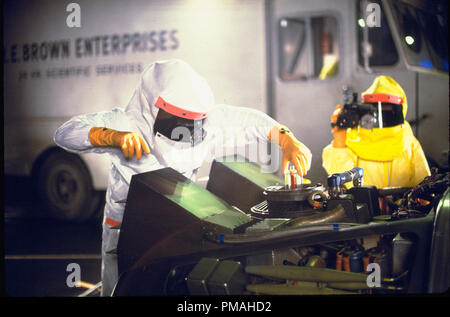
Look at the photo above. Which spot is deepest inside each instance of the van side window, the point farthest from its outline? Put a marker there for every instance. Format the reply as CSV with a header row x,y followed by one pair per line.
x,y
369,53
424,33
308,48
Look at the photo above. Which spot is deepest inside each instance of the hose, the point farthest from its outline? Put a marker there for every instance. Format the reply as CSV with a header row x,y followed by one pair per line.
x,y
334,215
311,225
387,191
271,235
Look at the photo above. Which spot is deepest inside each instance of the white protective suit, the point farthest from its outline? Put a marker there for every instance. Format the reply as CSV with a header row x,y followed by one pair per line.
x,y
178,84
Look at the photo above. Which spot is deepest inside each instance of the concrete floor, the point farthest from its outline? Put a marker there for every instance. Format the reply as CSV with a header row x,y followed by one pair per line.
x,y
38,250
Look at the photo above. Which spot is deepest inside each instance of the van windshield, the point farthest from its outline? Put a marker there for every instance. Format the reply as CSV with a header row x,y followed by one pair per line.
x,y
424,33
375,43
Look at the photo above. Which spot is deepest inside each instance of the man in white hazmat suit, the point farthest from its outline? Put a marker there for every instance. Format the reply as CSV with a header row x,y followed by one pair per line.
x,y
171,121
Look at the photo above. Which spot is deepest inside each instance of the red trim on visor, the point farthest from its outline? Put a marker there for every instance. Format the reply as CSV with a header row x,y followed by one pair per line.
x,y
174,110
383,98
112,222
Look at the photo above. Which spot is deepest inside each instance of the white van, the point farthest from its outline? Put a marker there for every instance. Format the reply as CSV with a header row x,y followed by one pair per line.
x,y
61,61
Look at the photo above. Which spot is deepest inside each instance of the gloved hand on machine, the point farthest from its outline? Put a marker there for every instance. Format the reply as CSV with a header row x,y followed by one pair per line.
x,y
293,150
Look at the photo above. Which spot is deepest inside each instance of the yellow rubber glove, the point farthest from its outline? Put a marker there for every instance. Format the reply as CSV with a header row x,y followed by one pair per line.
x,y
129,142
339,135
293,150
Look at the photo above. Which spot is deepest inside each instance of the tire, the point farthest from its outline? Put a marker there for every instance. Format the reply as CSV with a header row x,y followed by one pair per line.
x,y
64,186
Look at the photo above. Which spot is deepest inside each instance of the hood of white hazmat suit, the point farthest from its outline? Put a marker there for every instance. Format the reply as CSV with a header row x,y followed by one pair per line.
x,y
174,87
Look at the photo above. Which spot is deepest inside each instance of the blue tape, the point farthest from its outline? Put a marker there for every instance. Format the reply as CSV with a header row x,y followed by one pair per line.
x,y
335,226
221,238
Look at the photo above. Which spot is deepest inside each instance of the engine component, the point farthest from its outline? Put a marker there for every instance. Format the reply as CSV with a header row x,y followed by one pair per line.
x,y
336,181
305,273
171,224
335,215
291,203
401,253
291,177
316,261
439,280
300,202
383,260
243,177
274,257
295,289
174,216
366,195
214,277
355,212
302,231
419,198
339,260
227,279
197,279
417,201
356,263
356,205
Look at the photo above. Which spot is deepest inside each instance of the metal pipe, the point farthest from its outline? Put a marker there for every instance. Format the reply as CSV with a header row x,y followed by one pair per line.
x,y
387,191
289,289
335,215
296,227
305,273
270,235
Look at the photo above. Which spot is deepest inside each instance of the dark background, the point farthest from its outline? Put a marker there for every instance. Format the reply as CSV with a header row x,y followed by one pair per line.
x,y
38,249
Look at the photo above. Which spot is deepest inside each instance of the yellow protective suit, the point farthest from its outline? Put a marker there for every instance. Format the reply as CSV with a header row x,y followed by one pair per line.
x,y
389,157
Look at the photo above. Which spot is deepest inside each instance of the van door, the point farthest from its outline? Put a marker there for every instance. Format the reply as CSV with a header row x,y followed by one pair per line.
x,y
307,44
422,29
317,48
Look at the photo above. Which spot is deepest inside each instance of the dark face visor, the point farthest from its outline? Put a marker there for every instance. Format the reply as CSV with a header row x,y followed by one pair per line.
x,y
179,129
391,108
392,114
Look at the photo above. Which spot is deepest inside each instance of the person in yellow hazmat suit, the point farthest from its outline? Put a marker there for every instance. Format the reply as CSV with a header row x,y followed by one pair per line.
x,y
389,154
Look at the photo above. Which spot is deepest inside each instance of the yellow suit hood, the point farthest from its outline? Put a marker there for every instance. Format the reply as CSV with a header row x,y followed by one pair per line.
x,y
381,144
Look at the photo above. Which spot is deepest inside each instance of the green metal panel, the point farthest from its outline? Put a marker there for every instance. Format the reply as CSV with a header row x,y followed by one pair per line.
x,y
252,172
205,205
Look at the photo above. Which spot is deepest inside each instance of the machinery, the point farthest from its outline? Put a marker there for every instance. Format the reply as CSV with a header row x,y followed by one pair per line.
x,y
251,232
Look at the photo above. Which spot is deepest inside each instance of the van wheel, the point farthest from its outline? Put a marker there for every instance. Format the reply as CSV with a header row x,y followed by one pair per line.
x,y
64,186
